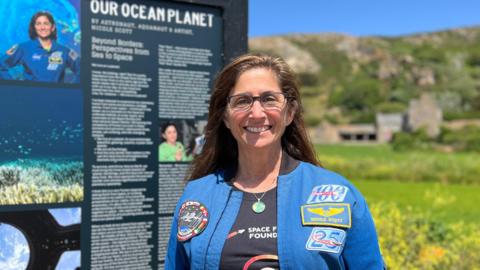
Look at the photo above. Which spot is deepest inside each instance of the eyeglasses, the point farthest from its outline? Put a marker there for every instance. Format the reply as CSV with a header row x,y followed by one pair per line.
x,y
47,23
268,100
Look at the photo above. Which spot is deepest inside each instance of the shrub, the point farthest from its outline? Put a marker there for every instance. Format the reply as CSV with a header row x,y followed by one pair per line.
x,y
391,107
417,140
308,78
448,116
409,240
312,121
465,139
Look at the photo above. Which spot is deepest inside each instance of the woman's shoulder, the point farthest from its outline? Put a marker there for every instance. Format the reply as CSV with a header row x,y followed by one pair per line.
x,y
323,175
165,145
206,184
214,178
19,46
318,178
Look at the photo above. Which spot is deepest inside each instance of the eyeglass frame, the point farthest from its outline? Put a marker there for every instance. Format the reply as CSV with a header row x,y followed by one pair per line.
x,y
254,98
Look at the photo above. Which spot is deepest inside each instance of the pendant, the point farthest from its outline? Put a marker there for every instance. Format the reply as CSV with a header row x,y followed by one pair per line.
x,y
258,207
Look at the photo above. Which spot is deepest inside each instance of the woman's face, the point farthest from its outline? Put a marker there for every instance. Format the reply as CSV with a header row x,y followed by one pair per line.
x,y
43,27
257,128
170,134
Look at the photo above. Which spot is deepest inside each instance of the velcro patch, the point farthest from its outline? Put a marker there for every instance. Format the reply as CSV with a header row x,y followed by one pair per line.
x,y
192,220
326,239
56,58
12,49
327,214
328,193
73,55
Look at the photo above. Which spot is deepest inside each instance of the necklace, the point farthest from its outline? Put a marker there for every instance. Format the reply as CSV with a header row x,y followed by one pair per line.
x,y
259,206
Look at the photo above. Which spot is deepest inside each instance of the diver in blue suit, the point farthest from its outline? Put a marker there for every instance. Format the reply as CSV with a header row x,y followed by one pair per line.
x,y
42,58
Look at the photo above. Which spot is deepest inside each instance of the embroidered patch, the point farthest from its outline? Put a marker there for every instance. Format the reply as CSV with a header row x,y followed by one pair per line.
x,y
327,193
12,49
327,214
192,220
326,239
73,55
56,58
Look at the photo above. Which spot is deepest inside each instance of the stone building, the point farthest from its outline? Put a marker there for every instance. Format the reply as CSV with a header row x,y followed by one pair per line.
x,y
387,124
425,113
422,113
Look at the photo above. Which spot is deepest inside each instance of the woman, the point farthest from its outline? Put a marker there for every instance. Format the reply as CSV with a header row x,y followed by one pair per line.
x,y
42,58
170,149
259,199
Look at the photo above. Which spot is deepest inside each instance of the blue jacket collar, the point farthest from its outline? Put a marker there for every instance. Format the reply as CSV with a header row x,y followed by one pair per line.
x,y
287,165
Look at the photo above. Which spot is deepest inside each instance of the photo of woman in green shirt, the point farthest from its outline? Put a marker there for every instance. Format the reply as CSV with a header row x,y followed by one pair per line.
x,y
171,150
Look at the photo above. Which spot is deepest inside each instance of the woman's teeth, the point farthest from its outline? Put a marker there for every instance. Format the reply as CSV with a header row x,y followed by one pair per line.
x,y
257,129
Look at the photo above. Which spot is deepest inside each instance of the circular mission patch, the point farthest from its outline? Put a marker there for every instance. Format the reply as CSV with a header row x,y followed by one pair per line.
x,y
192,220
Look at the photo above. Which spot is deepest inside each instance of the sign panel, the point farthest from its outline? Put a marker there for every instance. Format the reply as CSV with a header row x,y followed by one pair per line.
x,y
103,105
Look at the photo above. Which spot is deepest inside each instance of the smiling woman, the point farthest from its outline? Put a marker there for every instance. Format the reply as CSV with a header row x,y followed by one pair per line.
x,y
257,198
42,58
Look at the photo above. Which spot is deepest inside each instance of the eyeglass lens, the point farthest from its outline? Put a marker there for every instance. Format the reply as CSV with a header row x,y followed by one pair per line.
x,y
268,100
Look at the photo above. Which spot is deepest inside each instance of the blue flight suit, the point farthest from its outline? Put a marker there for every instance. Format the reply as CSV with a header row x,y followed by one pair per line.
x,y
40,64
346,242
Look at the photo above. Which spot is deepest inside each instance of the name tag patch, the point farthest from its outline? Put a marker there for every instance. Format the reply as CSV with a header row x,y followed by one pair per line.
x,y
328,193
327,214
326,239
55,60
192,220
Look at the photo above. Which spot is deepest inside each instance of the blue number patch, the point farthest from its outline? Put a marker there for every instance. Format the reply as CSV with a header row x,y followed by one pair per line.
x,y
326,239
327,193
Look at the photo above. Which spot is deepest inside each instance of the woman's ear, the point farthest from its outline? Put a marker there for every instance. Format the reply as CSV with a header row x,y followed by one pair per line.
x,y
225,120
291,112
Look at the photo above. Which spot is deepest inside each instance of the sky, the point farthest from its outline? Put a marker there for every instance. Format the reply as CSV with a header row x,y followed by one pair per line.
x,y
360,17
15,251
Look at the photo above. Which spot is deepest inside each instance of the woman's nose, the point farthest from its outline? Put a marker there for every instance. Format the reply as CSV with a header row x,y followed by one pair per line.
x,y
257,109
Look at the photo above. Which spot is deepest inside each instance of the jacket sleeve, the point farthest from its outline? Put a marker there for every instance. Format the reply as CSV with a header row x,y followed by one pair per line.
x,y
361,248
176,255
73,62
11,58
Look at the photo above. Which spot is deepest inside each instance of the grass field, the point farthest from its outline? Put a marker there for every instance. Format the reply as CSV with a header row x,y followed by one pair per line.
x,y
446,202
424,203
379,162
441,186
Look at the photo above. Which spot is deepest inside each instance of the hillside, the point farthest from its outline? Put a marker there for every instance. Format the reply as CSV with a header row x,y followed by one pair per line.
x,y
348,79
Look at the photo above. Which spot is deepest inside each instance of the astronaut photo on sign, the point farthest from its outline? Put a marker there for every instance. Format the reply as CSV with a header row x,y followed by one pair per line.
x,y
42,57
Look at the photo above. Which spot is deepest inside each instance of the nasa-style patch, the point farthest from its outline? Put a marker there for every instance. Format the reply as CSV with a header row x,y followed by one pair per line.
x,y
326,239
73,55
328,193
327,214
56,58
12,49
192,220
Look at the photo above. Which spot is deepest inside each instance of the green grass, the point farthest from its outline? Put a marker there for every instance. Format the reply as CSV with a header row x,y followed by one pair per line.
x,y
450,203
380,162
440,186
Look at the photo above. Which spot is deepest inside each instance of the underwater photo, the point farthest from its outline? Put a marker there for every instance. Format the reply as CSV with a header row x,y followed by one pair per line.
x,y
41,145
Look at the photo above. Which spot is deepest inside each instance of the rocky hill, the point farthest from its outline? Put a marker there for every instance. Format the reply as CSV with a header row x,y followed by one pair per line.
x,y
348,79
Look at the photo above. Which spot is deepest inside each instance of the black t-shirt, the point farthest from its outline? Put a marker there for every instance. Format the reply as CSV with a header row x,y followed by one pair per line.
x,y
252,241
